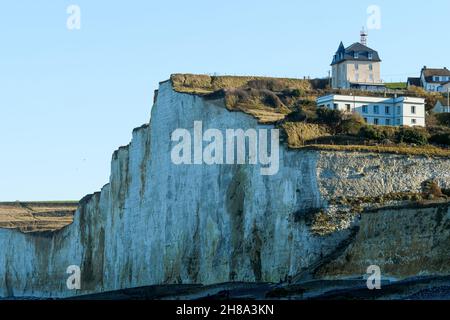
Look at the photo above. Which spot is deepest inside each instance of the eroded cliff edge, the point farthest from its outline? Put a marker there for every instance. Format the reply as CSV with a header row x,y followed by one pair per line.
x,y
159,223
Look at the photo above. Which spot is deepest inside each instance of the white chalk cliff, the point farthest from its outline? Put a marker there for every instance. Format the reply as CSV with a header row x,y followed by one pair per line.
x,y
160,223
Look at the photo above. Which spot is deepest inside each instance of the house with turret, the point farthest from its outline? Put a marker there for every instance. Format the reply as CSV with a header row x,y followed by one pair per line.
x,y
357,67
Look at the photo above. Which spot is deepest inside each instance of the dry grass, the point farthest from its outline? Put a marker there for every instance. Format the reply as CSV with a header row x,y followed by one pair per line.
x,y
298,133
239,94
430,151
36,216
270,100
205,84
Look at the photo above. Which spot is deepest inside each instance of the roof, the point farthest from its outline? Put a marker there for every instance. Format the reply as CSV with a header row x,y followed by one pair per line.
x,y
429,73
368,99
414,82
348,54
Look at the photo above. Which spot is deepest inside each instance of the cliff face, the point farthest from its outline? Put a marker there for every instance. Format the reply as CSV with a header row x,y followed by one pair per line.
x,y
411,241
160,223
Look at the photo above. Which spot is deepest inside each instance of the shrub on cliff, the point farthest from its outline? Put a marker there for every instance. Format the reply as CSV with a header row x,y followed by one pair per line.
x,y
305,110
378,133
418,136
441,138
332,118
443,119
270,99
298,133
351,124
267,84
431,189
235,96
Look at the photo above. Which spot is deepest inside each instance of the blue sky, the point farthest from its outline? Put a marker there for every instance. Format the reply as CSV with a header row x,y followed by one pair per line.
x,y
68,99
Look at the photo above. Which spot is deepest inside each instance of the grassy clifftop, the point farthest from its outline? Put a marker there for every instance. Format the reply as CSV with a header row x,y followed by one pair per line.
x,y
205,84
37,216
262,97
290,104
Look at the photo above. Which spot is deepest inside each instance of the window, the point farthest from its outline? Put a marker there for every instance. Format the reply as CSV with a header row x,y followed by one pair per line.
x,y
356,55
398,121
348,108
413,109
370,67
388,122
365,120
376,121
365,109
413,121
387,110
370,56
398,110
356,77
335,106
376,109
436,79
371,77
356,66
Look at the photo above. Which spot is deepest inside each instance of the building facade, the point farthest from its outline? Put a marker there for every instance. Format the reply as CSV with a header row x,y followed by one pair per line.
x,y
435,80
357,67
400,111
442,106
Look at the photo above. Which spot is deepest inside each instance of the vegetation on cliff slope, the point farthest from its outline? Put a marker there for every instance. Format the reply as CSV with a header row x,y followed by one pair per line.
x,y
291,105
37,216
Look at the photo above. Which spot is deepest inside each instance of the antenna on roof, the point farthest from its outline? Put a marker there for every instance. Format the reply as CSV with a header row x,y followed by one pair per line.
x,y
364,34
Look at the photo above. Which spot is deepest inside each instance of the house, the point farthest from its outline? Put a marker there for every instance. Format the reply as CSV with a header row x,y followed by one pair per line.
x,y
435,80
442,106
445,87
398,111
357,67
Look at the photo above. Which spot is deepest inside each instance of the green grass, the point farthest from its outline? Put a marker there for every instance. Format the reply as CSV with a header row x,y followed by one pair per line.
x,y
397,85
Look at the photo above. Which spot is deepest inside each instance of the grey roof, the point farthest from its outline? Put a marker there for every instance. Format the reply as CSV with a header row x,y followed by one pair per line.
x,y
430,73
348,54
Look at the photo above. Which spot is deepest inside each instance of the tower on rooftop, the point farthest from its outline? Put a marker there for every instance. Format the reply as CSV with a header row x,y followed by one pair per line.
x,y
364,35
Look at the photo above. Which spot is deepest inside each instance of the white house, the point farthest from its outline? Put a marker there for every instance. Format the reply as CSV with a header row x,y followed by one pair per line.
x,y
442,106
435,80
400,111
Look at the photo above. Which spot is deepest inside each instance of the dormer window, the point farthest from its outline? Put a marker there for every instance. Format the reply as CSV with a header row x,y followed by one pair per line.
x,y
356,55
370,55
